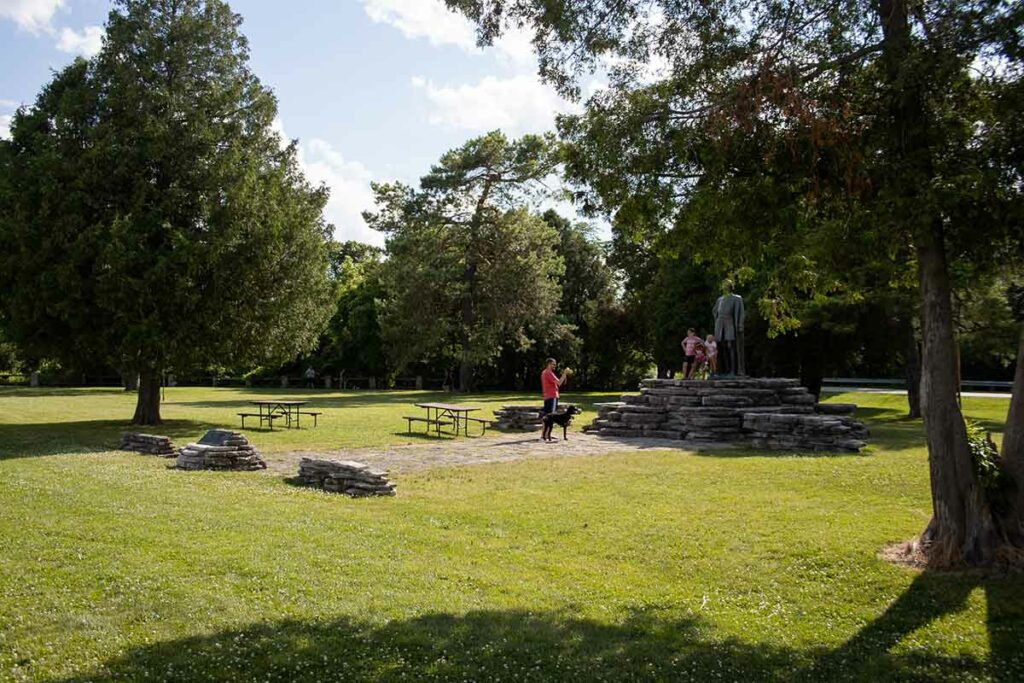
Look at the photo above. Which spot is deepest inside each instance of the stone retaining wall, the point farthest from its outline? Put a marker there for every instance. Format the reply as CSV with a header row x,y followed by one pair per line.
x,y
345,476
148,444
766,413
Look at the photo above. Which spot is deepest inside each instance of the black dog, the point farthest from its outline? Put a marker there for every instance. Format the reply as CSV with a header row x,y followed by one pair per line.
x,y
563,419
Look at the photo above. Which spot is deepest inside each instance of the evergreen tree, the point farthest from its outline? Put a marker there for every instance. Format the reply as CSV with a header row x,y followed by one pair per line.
x,y
151,217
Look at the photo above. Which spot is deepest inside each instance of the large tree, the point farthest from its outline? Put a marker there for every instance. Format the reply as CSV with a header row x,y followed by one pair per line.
x,y
801,136
150,216
470,269
353,341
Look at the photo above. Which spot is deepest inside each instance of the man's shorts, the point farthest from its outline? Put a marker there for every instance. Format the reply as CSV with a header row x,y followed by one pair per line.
x,y
689,359
550,406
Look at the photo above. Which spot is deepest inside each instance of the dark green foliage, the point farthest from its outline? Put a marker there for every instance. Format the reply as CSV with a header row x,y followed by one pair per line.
x,y
1015,297
353,342
151,217
985,455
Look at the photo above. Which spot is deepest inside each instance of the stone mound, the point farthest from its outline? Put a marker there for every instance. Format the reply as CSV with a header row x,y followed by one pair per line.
x,y
776,414
345,476
521,418
220,449
148,444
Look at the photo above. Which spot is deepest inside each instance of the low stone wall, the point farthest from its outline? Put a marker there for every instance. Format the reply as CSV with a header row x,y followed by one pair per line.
x,y
345,476
521,418
220,449
804,432
762,412
148,444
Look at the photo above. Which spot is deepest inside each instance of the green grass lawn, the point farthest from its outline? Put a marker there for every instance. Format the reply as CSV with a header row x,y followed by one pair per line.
x,y
656,565
48,421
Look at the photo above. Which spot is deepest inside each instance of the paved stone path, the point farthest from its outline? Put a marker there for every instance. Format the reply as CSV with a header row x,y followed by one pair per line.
x,y
476,451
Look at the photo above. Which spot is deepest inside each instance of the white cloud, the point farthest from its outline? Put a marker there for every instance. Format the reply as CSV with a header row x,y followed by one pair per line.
x,y
349,182
432,20
428,19
30,15
86,43
516,105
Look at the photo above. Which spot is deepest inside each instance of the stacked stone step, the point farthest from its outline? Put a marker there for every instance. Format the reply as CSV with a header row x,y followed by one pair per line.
x,y
521,418
345,476
805,432
148,444
220,449
715,411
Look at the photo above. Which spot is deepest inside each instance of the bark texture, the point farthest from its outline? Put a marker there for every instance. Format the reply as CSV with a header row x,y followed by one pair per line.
x,y
147,408
912,368
1013,452
962,527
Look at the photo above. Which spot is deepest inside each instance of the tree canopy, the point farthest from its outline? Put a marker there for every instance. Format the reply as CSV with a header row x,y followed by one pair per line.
x,y
151,215
470,268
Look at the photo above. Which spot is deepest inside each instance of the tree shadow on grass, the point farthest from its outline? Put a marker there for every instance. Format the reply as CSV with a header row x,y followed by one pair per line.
x,y
86,436
520,645
46,392
362,399
868,655
478,646
906,433
423,437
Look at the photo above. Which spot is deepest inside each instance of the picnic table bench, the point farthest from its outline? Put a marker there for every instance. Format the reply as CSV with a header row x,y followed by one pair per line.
x,y
275,409
437,424
262,417
313,414
447,414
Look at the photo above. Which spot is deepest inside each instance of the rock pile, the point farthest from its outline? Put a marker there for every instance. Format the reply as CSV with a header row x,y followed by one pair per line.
x,y
345,476
148,444
805,432
220,449
766,413
521,418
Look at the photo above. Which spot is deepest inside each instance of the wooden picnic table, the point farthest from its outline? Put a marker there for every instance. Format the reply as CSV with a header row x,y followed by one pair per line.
x,y
269,410
459,416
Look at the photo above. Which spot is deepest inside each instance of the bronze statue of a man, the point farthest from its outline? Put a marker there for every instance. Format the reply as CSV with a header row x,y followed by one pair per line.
x,y
729,316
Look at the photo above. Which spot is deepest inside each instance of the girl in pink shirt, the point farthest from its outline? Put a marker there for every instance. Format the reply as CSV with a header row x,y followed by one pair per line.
x,y
690,346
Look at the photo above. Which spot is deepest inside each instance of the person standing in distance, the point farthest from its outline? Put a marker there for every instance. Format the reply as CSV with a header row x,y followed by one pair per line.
x,y
549,383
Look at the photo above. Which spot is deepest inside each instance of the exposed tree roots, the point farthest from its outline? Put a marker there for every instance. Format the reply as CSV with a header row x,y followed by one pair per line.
x,y
915,554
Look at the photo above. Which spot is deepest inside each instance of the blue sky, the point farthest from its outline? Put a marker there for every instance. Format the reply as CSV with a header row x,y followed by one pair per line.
x,y
373,89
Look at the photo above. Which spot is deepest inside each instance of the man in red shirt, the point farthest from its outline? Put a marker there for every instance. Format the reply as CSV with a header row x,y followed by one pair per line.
x,y
549,383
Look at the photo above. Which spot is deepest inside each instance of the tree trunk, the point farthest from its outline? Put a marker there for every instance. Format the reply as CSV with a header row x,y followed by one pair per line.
x,y
465,375
468,320
911,367
147,409
961,529
1013,450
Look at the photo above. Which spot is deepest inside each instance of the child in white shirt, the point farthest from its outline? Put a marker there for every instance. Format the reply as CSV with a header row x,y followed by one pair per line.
x,y
711,349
